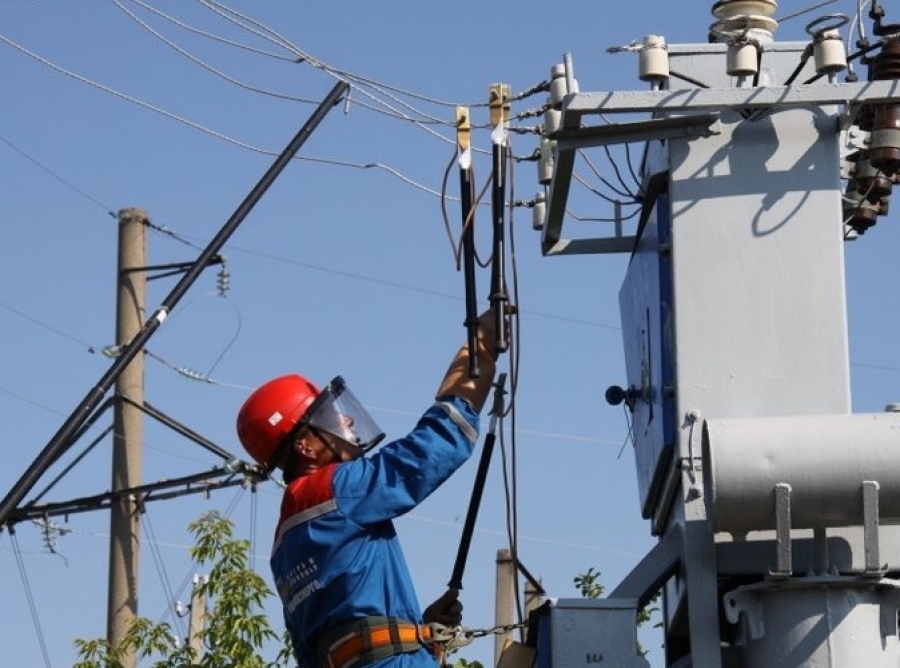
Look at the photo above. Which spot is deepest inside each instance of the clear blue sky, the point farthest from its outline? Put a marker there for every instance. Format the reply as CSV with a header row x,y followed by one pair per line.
x,y
344,267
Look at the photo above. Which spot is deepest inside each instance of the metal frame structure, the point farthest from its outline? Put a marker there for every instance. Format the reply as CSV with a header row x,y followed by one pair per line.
x,y
775,506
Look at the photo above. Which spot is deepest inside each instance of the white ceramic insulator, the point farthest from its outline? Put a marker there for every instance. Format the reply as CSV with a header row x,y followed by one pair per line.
x,y
539,212
571,81
654,59
742,59
727,8
751,18
552,119
829,52
546,162
557,84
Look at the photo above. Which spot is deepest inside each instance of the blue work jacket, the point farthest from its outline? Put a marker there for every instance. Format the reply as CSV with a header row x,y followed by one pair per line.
x,y
336,556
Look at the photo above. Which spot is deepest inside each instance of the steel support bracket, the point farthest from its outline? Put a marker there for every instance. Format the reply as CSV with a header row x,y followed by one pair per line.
x,y
571,140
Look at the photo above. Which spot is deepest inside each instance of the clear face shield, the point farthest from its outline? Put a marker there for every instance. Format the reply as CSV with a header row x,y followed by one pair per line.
x,y
337,411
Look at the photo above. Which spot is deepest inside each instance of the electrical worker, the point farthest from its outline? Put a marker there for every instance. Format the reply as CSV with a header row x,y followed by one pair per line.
x,y
338,567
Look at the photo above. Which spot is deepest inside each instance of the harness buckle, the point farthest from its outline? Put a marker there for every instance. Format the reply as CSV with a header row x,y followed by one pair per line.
x,y
450,637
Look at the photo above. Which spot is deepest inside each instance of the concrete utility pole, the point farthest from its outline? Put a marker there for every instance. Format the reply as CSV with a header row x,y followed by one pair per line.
x,y
124,547
533,597
505,611
197,618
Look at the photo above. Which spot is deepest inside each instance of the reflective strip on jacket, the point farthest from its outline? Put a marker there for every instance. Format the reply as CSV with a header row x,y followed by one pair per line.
x,y
336,555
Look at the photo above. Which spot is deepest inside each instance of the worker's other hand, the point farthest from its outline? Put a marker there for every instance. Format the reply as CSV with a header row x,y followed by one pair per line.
x,y
446,610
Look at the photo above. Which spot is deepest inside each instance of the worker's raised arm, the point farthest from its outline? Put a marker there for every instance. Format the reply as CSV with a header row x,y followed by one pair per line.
x,y
457,381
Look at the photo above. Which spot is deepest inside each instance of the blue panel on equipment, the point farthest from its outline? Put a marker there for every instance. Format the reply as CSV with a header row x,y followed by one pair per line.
x,y
646,310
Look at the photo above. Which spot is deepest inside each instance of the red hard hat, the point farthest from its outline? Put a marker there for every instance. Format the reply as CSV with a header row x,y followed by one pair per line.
x,y
271,412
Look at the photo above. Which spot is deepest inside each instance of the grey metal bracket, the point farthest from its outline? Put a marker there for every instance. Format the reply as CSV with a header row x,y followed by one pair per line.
x,y
570,140
784,565
696,99
873,566
657,566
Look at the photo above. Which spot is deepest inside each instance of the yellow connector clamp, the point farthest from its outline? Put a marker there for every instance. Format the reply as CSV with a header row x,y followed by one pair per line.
x,y
498,103
463,128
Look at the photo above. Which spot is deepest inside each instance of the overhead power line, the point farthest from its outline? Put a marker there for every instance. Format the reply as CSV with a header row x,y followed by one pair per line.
x,y
65,182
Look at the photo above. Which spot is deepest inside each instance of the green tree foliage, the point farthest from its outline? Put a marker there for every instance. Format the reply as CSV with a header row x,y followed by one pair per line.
x,y
235,628
589,584
465,663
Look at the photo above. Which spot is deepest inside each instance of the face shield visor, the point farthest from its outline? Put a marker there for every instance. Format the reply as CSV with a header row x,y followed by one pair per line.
x,y
337,411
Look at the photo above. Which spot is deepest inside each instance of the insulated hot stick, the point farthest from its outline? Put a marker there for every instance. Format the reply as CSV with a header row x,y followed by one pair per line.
x,y
499,106
474,503
62,440
467,197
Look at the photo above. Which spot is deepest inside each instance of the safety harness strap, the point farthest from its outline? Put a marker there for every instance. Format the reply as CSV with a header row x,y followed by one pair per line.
x,y
364,641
